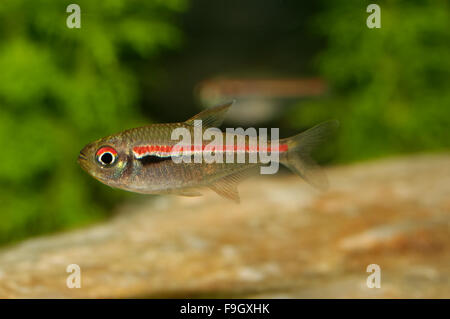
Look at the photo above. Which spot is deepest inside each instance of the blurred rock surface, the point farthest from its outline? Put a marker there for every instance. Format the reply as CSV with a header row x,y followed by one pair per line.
x,y
285,240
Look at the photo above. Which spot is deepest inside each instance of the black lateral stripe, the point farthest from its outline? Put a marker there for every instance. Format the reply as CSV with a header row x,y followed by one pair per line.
x,y
153,159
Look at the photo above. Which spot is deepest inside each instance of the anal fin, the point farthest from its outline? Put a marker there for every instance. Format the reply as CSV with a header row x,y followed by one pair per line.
x,y
227,186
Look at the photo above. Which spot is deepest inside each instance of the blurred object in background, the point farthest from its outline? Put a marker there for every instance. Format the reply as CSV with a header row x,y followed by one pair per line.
x,y
258,99
234,40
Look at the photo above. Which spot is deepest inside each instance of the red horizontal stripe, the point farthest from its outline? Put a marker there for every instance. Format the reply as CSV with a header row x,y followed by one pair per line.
x,y
148,149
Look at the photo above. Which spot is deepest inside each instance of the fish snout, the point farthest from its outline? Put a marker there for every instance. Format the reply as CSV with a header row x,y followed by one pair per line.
x,y
82,160
82,155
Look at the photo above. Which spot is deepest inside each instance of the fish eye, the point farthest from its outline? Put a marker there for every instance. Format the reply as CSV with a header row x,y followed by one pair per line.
x,y
106,156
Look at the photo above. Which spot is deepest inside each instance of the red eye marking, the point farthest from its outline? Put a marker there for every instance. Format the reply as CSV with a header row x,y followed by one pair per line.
x,y
106,149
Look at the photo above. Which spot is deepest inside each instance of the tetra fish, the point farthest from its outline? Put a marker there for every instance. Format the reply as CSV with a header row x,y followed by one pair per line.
x,y
141,159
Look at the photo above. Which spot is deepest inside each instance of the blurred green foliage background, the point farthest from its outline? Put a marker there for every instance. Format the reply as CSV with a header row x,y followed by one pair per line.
x,y
133,61
61,88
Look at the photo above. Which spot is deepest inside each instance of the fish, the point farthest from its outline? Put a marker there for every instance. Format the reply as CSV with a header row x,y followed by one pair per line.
x,y
141,159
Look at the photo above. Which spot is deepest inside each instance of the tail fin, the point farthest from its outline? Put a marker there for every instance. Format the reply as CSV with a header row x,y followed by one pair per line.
x,y
298,157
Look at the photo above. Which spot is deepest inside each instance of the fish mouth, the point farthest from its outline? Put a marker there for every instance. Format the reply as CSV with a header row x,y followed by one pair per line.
x,y
82,160
82,156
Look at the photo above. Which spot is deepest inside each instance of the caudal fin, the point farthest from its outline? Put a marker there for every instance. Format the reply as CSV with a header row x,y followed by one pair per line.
x,y
298,157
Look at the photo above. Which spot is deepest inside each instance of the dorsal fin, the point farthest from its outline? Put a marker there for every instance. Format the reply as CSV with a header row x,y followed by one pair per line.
x,y
212,117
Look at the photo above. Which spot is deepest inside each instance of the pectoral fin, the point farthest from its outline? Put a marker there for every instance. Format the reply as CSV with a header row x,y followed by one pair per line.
x,y
189,192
